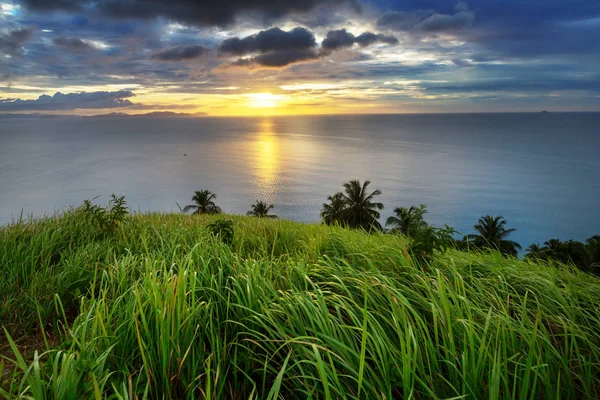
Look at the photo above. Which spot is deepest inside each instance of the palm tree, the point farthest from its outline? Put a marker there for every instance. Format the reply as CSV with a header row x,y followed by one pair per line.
x,y
204,203
408,221
492,234
554,245
534,248
261,210
593,239
593,249
360,211
535,251
577,253
332,211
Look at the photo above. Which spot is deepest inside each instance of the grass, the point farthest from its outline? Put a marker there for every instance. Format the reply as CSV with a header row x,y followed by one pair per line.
x,y
161,308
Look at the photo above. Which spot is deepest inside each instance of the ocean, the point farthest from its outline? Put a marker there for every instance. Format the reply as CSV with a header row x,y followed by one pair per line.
x,y
540,171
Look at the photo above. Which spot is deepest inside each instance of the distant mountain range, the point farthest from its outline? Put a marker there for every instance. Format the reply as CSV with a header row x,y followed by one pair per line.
x,y
151,114
109,115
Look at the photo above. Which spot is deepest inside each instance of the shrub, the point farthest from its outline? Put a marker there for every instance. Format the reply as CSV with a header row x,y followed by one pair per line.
x,y
428,239
223,229
107,218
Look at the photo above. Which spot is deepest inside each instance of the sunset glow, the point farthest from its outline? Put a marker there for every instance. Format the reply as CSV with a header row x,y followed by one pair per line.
x,y
263,100
328,57
287,199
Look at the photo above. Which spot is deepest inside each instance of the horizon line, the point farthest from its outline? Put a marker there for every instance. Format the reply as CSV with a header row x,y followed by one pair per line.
x,y
194,114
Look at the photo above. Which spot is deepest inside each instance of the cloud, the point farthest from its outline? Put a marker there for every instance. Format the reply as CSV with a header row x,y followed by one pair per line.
x,y
427,21
441,23
276,59
514,42
180,53
45,5
341,38
282,58
338,39
12,42
221,12
399,20
73,44
368,38
273,39
70,101
272,48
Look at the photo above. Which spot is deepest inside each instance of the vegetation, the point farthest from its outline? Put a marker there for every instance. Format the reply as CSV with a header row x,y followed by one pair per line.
x,y
163,308
223,229
492,233
354,207
332,212
408,221
261,209
107,218
585,256
428,240
203,203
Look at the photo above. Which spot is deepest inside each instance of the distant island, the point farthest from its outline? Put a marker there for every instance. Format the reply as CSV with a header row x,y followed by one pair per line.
x,y
31,115
113,114
151,114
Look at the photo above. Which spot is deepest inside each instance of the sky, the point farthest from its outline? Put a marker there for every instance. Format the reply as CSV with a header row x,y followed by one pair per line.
x,y
270,57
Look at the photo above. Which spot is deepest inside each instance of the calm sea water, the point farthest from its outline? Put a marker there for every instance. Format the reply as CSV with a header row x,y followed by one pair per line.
x,y
540,171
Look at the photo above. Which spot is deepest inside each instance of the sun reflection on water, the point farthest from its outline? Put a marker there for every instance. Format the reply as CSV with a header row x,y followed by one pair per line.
x,y
267,159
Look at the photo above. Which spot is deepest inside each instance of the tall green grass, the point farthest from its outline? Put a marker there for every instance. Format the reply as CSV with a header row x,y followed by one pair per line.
x,y
161,308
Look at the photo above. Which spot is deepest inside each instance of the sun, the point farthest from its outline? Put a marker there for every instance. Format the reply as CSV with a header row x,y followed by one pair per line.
x,y
263,100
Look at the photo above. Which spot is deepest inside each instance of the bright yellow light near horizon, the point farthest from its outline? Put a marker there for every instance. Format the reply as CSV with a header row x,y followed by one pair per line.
x,y
267,161
263,100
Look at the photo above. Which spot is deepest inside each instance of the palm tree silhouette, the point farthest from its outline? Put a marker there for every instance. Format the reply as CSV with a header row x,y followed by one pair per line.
x,y
593,249
593,239
492,234
535,251
408,221
534,248
332,211
360,211
204,203
261,210
554,245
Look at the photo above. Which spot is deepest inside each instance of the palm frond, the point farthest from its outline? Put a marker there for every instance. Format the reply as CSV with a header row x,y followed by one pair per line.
x,y
190,207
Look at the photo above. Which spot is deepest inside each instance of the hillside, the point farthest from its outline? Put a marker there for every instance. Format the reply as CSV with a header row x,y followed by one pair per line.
x,y
161,308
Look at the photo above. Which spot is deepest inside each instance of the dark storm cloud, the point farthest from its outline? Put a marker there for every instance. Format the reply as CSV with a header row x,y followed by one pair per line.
x,y
12,42
272,48
282,58
192,12
341,38
73,44
49,5
368,38
70,101
338,39
180,53
273,39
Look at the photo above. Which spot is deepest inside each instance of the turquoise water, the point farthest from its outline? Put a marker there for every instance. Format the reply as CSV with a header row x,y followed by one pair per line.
x,y
540,171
